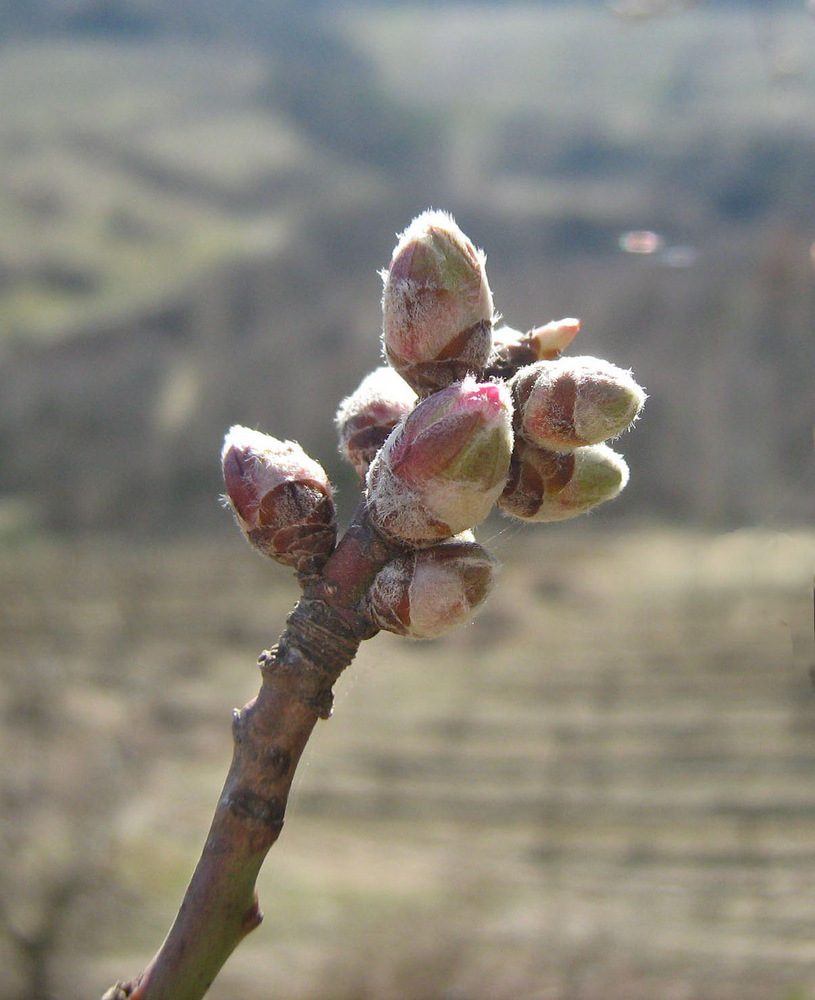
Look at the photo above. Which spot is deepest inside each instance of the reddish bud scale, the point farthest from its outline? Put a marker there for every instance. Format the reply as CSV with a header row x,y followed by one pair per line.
x,y
281,498
572,402
365,419
513,350
553,486
436,305
425,593
443,467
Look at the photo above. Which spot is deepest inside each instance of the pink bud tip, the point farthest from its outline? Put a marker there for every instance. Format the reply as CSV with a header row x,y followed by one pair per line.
x,y
548,341
444,465
282,499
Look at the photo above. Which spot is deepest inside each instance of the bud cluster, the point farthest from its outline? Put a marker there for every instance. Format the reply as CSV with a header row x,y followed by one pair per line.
x,y
564,410
464,417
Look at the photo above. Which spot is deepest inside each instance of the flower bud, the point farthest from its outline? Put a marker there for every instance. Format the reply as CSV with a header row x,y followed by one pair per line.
x,y
282,499
552,486
436,305
426,592
444,466
365,419
571,402
513,350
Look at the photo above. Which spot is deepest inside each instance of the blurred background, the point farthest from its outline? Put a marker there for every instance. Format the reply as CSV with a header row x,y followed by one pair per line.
x,y
601,789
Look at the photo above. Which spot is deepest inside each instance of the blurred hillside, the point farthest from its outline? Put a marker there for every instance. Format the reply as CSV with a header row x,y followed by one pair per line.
x,y
194,210
601,790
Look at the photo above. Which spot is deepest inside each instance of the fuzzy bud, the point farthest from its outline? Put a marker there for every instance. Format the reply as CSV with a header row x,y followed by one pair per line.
x,y
513,350
426,592
365,419
552,486
282,499
571,402
444,465
436,305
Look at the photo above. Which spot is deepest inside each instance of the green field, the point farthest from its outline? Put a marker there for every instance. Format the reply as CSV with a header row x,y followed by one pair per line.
x,y
602,789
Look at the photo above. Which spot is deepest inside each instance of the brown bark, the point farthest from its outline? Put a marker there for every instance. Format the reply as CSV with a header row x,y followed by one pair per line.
x,y
220,908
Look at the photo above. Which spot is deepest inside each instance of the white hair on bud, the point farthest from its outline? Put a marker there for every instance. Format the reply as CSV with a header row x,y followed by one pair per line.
x,y
608,399
431,218
381,384
439,598
418,325
443,509
287,460
399,510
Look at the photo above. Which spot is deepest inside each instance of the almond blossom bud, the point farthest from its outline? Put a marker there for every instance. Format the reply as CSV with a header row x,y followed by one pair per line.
x,y
571,402
444,465
552,486
436,305
282,499
426,592
513,350
365,419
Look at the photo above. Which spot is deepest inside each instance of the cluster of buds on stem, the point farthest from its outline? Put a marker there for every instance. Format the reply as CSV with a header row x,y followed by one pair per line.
x,y
463,418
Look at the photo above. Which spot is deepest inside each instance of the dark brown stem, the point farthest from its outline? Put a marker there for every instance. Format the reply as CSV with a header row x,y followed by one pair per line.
x,y
220,908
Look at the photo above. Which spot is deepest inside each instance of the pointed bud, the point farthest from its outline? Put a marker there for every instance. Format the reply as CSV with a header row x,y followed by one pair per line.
x,y
571,402
513,350
426,592
436,305
281,498
552,486
444,465
365,419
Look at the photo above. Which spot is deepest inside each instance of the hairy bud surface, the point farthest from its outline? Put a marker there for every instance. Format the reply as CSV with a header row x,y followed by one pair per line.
x,y
571,402
426,592
444,466
437,305
552,486
282,499
366,417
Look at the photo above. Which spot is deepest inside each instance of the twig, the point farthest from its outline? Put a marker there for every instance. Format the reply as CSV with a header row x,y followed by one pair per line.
x,y
434,449
220,908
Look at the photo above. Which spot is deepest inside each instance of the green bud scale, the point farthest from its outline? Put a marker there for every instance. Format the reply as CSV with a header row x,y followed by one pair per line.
x,y
437,306
443,467
571,402
553,486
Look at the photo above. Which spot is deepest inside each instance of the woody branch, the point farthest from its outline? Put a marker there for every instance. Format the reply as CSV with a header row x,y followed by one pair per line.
x,y
465,417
